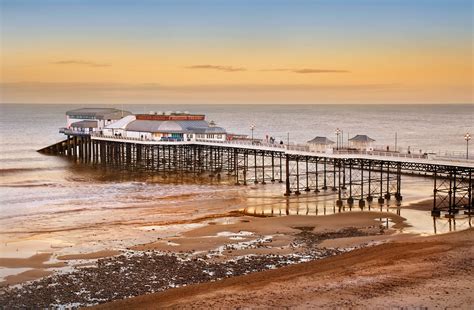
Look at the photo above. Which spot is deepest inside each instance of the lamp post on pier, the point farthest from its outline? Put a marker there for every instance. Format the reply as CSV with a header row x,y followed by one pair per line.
x,y
252,128
467,137
338,132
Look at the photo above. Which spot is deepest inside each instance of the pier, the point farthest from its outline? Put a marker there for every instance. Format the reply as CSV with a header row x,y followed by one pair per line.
x,y
355,178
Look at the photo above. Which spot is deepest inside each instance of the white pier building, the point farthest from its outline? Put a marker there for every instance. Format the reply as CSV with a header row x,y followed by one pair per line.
x,y
86,121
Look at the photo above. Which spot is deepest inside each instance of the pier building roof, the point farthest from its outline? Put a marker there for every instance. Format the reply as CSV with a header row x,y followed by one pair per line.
x,y
321,140
168,126
97,113
121,123
85,124
361,138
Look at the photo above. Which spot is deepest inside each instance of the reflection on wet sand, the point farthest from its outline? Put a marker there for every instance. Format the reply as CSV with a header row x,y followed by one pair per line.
x,y
84,210
419,218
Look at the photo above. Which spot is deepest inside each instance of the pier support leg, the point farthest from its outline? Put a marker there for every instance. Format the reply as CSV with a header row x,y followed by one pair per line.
x,y
387,193
435,211
281,169
317,176
325,187
273,167
339,189
350,200
287,175
398,195
297,192
370,198
381,200
470,202
255,167
307,176
361,199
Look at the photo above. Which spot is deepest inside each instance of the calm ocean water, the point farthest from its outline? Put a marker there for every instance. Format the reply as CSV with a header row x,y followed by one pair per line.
x,y
26,128
40,194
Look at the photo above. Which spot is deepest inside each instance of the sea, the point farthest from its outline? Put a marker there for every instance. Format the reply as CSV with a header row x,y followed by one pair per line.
x,y
50,204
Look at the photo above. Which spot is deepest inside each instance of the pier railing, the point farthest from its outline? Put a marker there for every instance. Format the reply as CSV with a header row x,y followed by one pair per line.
x,y
98,135
380,153
293,147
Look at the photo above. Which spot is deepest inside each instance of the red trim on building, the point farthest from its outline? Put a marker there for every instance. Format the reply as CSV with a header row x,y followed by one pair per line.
x,y
184,117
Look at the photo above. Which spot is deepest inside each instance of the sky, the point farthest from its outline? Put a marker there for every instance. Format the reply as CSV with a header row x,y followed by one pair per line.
x,y
219,51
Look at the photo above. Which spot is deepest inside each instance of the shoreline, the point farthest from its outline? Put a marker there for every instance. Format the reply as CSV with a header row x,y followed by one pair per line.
x,y
399,274
254,247
255,243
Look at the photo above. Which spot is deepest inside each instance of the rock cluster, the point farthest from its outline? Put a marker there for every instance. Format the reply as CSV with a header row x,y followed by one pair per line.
x,y
136,273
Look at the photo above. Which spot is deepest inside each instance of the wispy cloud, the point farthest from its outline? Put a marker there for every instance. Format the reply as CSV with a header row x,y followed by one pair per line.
x,y
78,62
123,87
306,70
293,70
216,67
319,71
42,92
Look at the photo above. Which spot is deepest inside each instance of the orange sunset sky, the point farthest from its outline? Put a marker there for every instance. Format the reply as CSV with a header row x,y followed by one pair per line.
x,y
236,51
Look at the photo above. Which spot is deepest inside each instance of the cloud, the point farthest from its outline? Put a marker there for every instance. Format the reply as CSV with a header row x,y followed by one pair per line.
x,y
219,68
95,93
196,88
319,71
293,70
80,63
153,93
307,70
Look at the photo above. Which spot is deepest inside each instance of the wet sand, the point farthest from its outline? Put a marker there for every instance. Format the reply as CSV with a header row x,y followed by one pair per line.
x,y
35,261
25,276
422,272
282,231
67,238
185,249
38,262
225,249
422,205
93,255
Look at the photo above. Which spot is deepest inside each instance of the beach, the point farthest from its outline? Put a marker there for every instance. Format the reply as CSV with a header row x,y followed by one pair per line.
x,y
415,273
349,259
236,154
76,235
